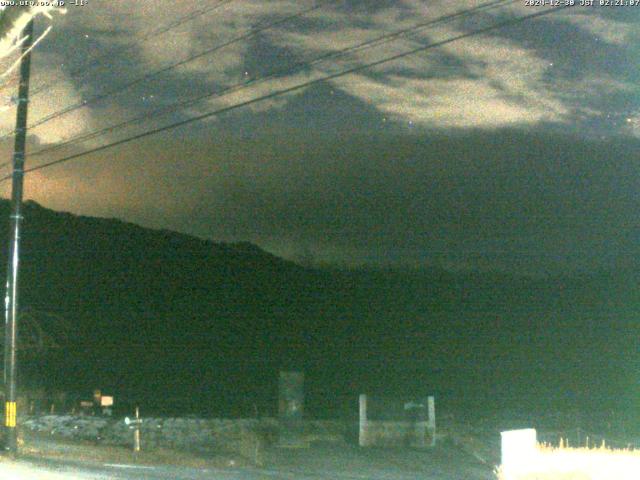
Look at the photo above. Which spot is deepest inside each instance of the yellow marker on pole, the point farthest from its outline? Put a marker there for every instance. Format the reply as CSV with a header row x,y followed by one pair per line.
x,y
10,414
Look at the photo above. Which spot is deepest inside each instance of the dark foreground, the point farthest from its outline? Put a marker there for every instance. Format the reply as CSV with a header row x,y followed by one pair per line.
x,y
444,462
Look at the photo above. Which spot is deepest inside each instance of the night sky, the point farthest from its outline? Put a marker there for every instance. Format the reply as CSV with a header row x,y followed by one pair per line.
x,y
513,150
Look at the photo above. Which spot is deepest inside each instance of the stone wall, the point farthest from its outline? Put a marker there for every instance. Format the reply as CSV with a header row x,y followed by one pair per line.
x,y
241,436
388,433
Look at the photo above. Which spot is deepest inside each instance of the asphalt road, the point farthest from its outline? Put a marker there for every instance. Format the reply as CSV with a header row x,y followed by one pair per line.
x,y
330,463
53,470
37,470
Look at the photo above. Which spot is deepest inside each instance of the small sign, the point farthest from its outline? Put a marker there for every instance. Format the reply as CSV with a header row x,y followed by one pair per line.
x,y
85,404
106,401
132,422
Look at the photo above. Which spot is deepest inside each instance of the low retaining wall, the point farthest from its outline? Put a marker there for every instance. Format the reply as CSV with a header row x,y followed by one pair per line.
x,y
194,434
241,436
388,433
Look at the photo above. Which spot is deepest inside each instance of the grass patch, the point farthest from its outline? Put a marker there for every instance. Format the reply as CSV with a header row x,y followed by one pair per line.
x,y
45,446
564,463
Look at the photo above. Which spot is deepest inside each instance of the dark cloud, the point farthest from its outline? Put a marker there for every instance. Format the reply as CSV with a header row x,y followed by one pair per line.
x,y
513,150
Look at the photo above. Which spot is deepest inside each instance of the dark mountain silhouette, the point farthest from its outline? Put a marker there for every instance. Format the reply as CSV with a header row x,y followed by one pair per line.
x,y
179,324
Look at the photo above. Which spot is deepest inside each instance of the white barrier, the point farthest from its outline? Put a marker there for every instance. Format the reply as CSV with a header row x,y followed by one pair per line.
x,y
519,449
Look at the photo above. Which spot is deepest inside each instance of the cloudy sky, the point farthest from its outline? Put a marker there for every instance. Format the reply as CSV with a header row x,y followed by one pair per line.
x,y
516,149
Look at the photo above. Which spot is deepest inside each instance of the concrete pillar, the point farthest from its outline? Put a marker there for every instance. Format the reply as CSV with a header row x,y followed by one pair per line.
x,y
291,396
291,409
421,425
431,419
362,433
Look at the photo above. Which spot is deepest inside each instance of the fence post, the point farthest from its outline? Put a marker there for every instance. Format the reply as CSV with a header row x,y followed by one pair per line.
x,y
362,437
134,424
136,432
431,422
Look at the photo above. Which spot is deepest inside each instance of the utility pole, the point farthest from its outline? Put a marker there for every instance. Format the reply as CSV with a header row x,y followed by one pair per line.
x,y
11,299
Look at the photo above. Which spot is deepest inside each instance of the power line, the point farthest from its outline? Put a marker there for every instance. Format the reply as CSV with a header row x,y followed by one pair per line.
x,y
252,32
296,88
277,73
82,70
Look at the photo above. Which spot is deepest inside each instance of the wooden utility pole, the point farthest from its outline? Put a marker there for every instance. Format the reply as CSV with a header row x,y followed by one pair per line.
x,y
136,432
11,299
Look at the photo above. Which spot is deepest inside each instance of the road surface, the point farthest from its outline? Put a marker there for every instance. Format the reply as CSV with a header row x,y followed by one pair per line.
x,y
315,464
